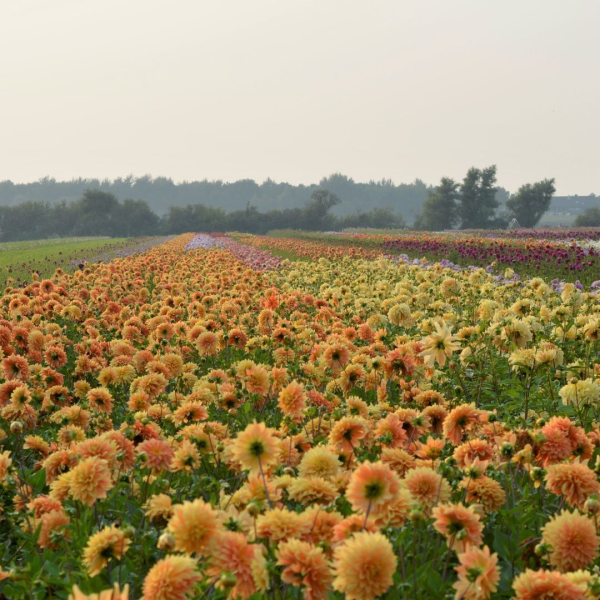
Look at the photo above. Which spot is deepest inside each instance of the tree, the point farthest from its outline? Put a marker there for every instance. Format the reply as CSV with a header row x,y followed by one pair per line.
x,y
317,209
135,218
478,203
590,218
97,213
26,221
440,209
531,201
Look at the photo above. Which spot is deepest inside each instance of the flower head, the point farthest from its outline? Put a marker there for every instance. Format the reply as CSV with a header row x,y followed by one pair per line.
x,y
102,547
256,447
478,574
439,346
460,525
116,593
539,585
172,578
90,480
575,481
194,525
572,539
364,566
307,566
372,485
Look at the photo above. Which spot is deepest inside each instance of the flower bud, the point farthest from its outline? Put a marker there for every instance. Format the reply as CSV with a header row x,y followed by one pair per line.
x,y
16,427
542,549
166,542
254,508
128,531
416,514
228,580
592,504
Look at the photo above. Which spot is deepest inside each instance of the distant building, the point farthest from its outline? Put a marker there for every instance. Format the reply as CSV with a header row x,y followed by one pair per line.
x,y
573,205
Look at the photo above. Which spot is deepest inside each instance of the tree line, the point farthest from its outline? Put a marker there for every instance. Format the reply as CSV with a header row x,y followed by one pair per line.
x,y
589,218
161,193
100,213
474,204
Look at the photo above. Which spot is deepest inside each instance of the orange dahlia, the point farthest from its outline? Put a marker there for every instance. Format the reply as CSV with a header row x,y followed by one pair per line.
x,y
172,578
159,508
319,462
460,525
308,490
5,463
158,454
256,447
114,594
459,421
90,480
575,481
391,431
280,524
478,574
399,460
193,525
364,566
231,553
395,513
351,525
53,525
292,401
427,487
371,486
100,399
347,433
572,539
485,491
102,546
305,565
551,585
257,380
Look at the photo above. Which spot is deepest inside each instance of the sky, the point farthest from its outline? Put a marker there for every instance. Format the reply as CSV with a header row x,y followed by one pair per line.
x,y
296,90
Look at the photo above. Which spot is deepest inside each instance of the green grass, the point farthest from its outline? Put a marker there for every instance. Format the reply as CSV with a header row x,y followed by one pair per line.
x,y
554,220
18,260
371,231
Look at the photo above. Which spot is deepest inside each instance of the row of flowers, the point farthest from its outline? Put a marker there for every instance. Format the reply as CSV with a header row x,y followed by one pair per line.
x,y
176,424
45,259
540,233
572,262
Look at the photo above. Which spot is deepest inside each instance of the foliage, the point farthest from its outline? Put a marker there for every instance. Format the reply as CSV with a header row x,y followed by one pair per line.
x,y
478,204
531,201
440,207
100,213
161,193
590,218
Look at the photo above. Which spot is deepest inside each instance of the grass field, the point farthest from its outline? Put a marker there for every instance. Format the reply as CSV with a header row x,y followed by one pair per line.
x,y
557,220
18,260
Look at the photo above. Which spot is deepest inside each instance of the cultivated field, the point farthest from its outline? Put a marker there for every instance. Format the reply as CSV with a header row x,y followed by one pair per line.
x,y
303,415
19,260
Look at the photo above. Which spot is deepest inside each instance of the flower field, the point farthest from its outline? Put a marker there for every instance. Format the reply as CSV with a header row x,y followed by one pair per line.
x,y
206,418
574,258
18,260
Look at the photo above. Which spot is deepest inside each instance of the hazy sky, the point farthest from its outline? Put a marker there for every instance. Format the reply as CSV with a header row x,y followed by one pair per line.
x,y
298,89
